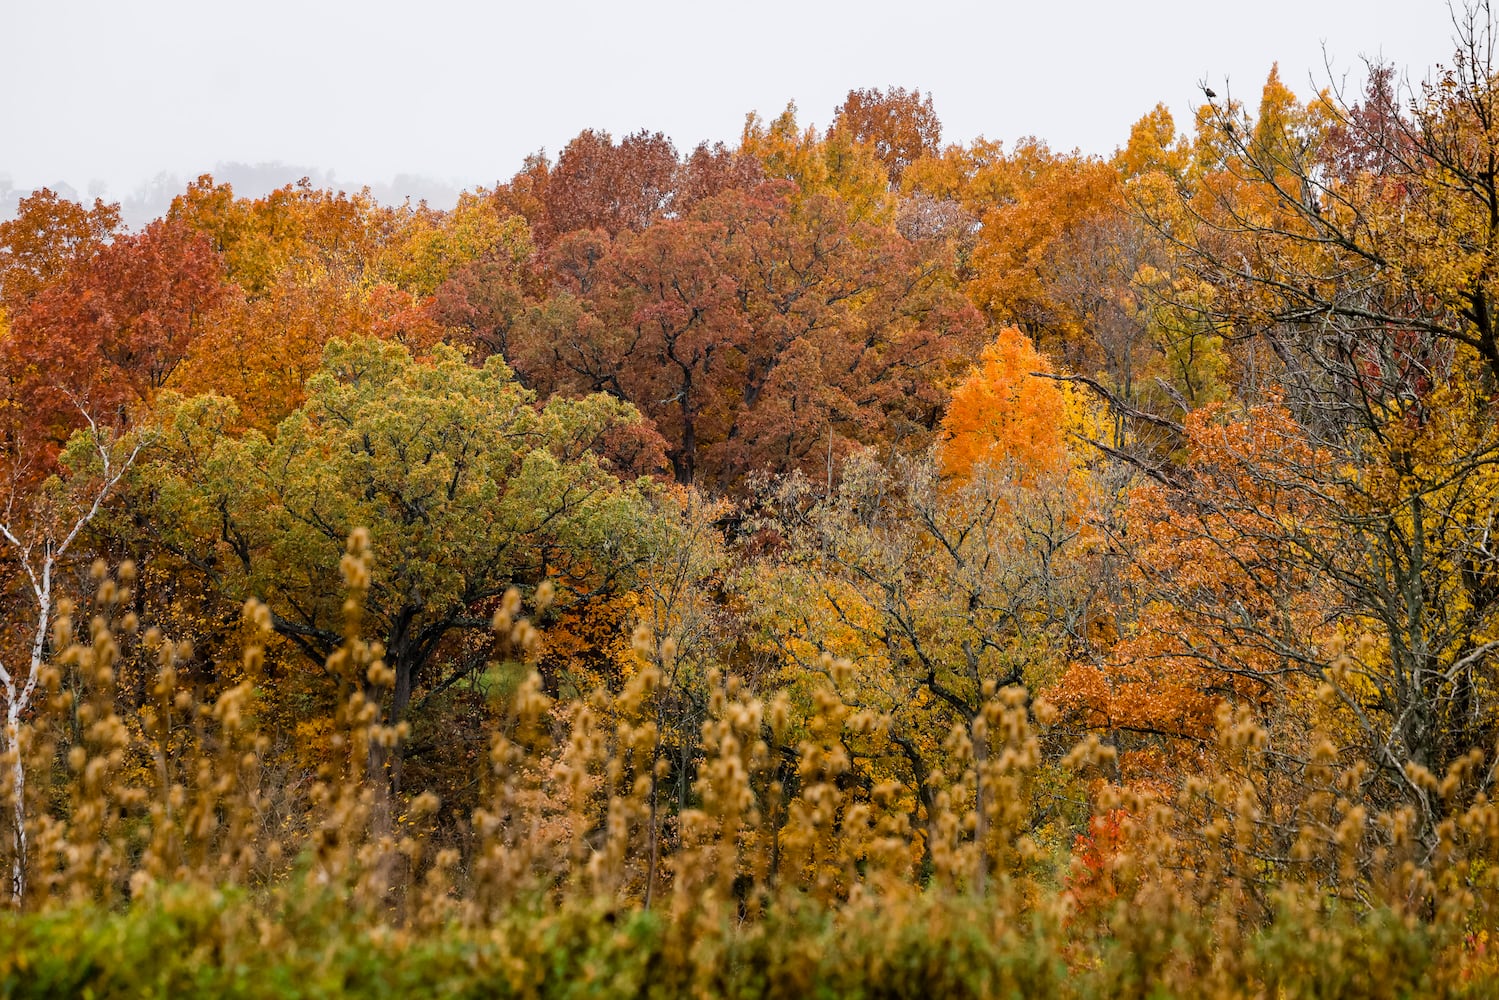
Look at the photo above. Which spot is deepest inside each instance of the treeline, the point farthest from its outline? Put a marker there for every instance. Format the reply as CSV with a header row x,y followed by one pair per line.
x,y
1092,557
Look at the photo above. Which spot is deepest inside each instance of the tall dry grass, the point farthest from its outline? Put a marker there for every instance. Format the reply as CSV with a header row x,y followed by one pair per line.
x,y
170,853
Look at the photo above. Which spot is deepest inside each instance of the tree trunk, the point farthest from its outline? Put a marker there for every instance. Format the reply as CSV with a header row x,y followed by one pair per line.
x,y
18,788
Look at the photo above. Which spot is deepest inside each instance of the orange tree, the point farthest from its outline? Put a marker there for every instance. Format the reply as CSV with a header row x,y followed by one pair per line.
x,y
49,237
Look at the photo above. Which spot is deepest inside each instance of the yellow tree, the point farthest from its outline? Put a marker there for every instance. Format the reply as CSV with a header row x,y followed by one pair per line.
x,y
1154,146
1348,249
838,164
429,246
1180,360
936,592
296,231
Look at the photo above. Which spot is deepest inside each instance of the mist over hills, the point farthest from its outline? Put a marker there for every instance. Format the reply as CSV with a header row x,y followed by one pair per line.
x,y
150,200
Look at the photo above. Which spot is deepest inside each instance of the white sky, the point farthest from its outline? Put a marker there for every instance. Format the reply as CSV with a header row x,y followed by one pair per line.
x,y
105,95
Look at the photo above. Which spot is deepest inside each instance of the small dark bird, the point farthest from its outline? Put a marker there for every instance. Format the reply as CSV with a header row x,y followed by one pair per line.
x,y
1209,92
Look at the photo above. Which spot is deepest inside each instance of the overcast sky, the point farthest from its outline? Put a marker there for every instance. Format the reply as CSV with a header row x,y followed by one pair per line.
x,y
108,95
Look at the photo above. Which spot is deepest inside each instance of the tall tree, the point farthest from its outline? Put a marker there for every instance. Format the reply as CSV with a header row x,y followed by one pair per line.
x,y
107,337
754,333
836,165
296,232
1335,532
465,488
901,125
49,237
600,184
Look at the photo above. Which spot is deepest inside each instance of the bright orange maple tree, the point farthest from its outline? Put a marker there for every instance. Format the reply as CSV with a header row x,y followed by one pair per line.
x,y
1006,410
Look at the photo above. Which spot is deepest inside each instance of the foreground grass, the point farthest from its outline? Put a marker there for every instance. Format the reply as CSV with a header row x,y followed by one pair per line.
x,y
185,942
757,888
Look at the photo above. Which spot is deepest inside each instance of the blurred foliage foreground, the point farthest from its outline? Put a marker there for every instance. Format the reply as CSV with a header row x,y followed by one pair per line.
x,y
781,878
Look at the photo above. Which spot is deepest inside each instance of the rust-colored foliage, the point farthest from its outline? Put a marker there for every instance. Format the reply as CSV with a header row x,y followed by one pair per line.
x,y
755,336
901,125
598,184
106,336
49,237
1102,544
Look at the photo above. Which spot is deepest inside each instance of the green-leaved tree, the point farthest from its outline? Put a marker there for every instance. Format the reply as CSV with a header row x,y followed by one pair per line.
x,y
464,484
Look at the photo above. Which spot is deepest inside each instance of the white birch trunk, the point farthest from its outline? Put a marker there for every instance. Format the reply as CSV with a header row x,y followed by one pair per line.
x,y
20,691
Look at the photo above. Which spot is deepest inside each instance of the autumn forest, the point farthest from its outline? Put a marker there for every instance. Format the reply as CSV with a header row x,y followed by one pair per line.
x,y
838,562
